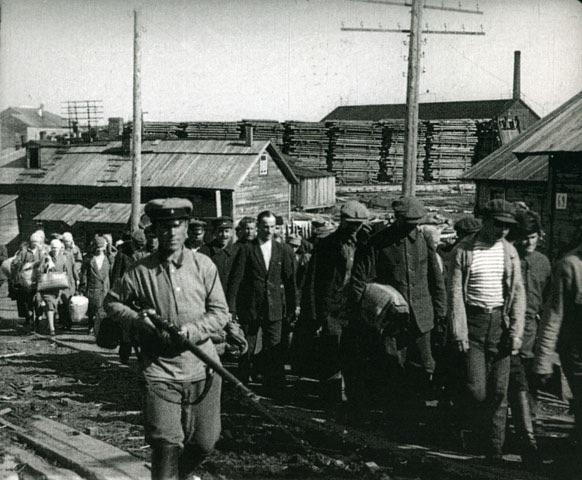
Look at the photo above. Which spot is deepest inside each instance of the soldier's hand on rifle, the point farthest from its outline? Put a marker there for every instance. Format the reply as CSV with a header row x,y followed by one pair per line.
x,y
192,333
143,323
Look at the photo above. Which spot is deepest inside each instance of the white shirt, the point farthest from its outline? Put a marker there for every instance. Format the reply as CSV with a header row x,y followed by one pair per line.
x,y
267,249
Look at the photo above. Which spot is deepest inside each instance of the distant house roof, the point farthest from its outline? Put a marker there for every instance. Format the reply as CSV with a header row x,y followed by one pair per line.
x,y
61,212
561,129
478,109
562,134
303,172
31,117
203,164
116,213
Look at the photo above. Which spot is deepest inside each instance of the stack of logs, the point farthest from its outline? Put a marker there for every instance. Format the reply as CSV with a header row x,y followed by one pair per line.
x,y
210,130
450,148
307,143
265,130
354,150
392,159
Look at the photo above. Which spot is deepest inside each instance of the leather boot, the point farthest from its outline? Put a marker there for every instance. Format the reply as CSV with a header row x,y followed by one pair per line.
x,y
191,458
165,461
525,428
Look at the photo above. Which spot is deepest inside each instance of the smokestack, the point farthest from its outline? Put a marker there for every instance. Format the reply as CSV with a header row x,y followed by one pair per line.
x,y
248,135
40,110
516,75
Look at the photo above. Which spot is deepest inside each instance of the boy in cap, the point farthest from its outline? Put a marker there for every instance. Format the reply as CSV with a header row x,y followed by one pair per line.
x,y
182,410
536,271
487,318
402,257
324,298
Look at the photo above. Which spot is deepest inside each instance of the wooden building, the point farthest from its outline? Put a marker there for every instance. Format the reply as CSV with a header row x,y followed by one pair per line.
x,y
19,125
543,168
315,190
220,177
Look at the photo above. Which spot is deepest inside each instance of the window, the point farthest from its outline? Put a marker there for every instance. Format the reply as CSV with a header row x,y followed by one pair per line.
x,y
263,165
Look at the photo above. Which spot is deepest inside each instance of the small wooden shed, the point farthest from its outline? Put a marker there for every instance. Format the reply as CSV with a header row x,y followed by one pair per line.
x,y
315,190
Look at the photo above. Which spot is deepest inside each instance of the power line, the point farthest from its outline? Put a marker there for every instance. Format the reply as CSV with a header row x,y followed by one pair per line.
x,y
428,6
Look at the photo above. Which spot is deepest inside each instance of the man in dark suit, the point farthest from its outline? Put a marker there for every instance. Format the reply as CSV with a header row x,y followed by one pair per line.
x,y
402,257
263,280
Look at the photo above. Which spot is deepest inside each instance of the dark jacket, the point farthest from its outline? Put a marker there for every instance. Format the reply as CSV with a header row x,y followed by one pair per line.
x,y
95,283
223,258
407,262
263,295
326,287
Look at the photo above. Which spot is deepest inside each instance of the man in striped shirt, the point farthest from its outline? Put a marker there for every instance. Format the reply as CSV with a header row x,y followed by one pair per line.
x,y
487,318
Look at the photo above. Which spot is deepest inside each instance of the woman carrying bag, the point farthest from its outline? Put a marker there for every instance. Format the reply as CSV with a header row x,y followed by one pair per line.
x,y
53,281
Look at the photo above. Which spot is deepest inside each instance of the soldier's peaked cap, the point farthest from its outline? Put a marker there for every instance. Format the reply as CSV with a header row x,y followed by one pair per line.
x,y
168,209
222,222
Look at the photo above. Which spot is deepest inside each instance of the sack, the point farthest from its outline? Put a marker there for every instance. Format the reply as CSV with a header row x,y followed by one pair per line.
x,y
6,268
53,281
78,306
24,277
108,332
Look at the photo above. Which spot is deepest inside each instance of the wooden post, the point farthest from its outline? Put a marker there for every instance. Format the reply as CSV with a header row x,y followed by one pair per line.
x,y
411,122
218,202
137,117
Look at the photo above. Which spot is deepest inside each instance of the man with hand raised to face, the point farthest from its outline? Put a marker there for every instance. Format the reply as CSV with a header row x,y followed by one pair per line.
x,y
487,318
182,396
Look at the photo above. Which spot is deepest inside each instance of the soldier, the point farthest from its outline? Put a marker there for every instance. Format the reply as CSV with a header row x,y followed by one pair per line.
x,y
182,397
262,292
401,256
196,232
220,249
487,318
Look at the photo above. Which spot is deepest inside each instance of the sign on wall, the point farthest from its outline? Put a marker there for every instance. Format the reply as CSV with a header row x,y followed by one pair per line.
x,y
263,164
561,201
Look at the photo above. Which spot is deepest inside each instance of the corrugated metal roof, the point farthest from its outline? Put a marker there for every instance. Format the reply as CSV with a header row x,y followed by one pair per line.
x,y
208,164
478,109
116,213
30,117
562,133
61,212
6,199
503,161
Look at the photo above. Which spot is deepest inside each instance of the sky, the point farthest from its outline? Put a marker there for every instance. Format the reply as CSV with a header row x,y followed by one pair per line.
x,y
279,59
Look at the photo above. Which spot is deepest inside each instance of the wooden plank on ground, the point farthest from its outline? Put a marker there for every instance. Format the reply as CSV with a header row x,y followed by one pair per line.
x,y
87,456
41,468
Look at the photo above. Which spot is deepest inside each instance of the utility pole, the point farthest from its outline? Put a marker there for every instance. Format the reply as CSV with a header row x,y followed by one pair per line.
x,y
415,38
136,152
411,121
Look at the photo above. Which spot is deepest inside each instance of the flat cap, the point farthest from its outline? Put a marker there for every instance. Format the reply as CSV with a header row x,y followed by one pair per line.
x,y
138,237
354,211
168,209
279,220
528,221
222,223
467,225
410,209
294,240
500,210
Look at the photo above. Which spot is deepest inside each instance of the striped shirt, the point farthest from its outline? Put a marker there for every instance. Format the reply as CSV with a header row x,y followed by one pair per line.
x,y
485,284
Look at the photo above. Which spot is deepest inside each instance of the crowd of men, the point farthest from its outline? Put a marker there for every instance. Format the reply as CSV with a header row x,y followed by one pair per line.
x,y
375,312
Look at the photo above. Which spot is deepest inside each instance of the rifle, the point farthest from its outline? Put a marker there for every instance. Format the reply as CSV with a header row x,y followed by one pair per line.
x,y
252,398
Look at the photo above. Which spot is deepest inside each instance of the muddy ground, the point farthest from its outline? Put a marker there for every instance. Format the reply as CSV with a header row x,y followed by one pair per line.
x,y
85,391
